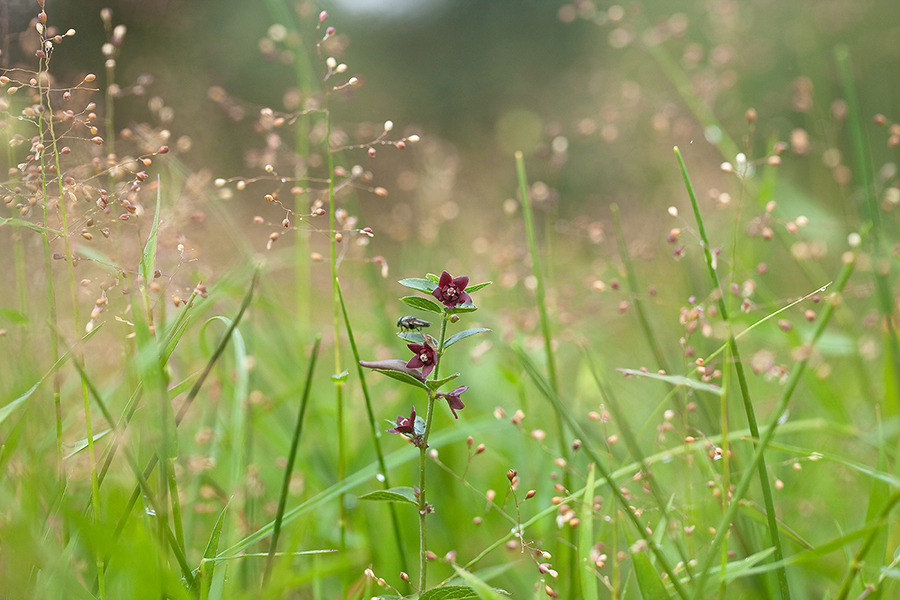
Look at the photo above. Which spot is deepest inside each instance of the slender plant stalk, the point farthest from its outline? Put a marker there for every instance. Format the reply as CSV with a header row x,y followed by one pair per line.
x,y
788,390
292,456
563,412
335,300
856,564
871,214
189,399
44,67
376,433
568,556
537,271
633,288
423,449
634,447
772,521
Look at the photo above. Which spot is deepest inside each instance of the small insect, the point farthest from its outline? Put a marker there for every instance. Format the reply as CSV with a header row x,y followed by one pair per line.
x,y
410,323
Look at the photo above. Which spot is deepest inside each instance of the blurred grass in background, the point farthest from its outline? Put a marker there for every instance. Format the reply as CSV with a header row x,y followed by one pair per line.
x,y
595,97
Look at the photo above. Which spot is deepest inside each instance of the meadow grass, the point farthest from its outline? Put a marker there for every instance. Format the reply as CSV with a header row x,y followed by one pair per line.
x,y
185,441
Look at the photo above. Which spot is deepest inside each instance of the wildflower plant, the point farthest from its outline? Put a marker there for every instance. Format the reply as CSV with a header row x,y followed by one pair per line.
x,y
453,294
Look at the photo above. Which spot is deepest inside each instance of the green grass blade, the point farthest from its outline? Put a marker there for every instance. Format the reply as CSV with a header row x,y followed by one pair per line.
x,y
208,565
484,591
762,470
292,456
586,541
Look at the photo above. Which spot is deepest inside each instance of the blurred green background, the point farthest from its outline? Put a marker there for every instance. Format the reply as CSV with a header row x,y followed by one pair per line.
x,y
595,96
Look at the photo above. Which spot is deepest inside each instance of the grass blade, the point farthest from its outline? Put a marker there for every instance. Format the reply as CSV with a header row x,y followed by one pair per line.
x,y
586,541
764,485
292,456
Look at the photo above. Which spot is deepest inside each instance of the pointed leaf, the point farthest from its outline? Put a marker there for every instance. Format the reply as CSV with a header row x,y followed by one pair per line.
x,y
148,255
586,540
462,335
477,286
449,592
436,384
462,308
433,277
405,495
420,303
412,336
484,591
420,285
14,317
677,380
76,447
208,564
404,377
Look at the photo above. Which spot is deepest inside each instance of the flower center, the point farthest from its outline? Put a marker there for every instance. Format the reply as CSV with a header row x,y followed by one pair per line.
x,y
424,358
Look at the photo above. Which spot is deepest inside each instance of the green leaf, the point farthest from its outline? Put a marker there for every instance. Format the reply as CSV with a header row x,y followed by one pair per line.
x,y
677,380
402,377
477,286
450,592
412,336
76,447
420,285
208,564
648,580
462,308
148,255
420,303
436,384
14,317
586,540
433,277
404,495
462,335
341,376
484,591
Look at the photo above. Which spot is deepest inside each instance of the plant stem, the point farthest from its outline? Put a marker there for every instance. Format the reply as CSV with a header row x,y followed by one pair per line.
x,y
423,448
787,392
376,433
292,455
772,521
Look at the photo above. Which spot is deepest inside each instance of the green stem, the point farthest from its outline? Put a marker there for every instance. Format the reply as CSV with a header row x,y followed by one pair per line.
x,y
787,392
335,300
871,214
45,95
769,502
376,433
857,562
423,448
292,455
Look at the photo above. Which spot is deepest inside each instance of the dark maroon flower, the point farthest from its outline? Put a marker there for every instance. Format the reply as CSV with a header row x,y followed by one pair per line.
x,y
405,424
451,291
453,399
425,357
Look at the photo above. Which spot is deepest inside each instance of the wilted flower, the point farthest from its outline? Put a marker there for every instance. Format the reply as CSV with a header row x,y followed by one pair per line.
x,y
425,357
451,291
453,399
405,424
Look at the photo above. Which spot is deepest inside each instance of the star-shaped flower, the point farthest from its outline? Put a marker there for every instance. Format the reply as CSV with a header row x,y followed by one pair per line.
x,y
452,292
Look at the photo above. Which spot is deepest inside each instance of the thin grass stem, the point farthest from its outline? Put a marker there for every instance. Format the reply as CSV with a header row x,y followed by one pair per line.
x,y
765,488
376,433
769,431
292,456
